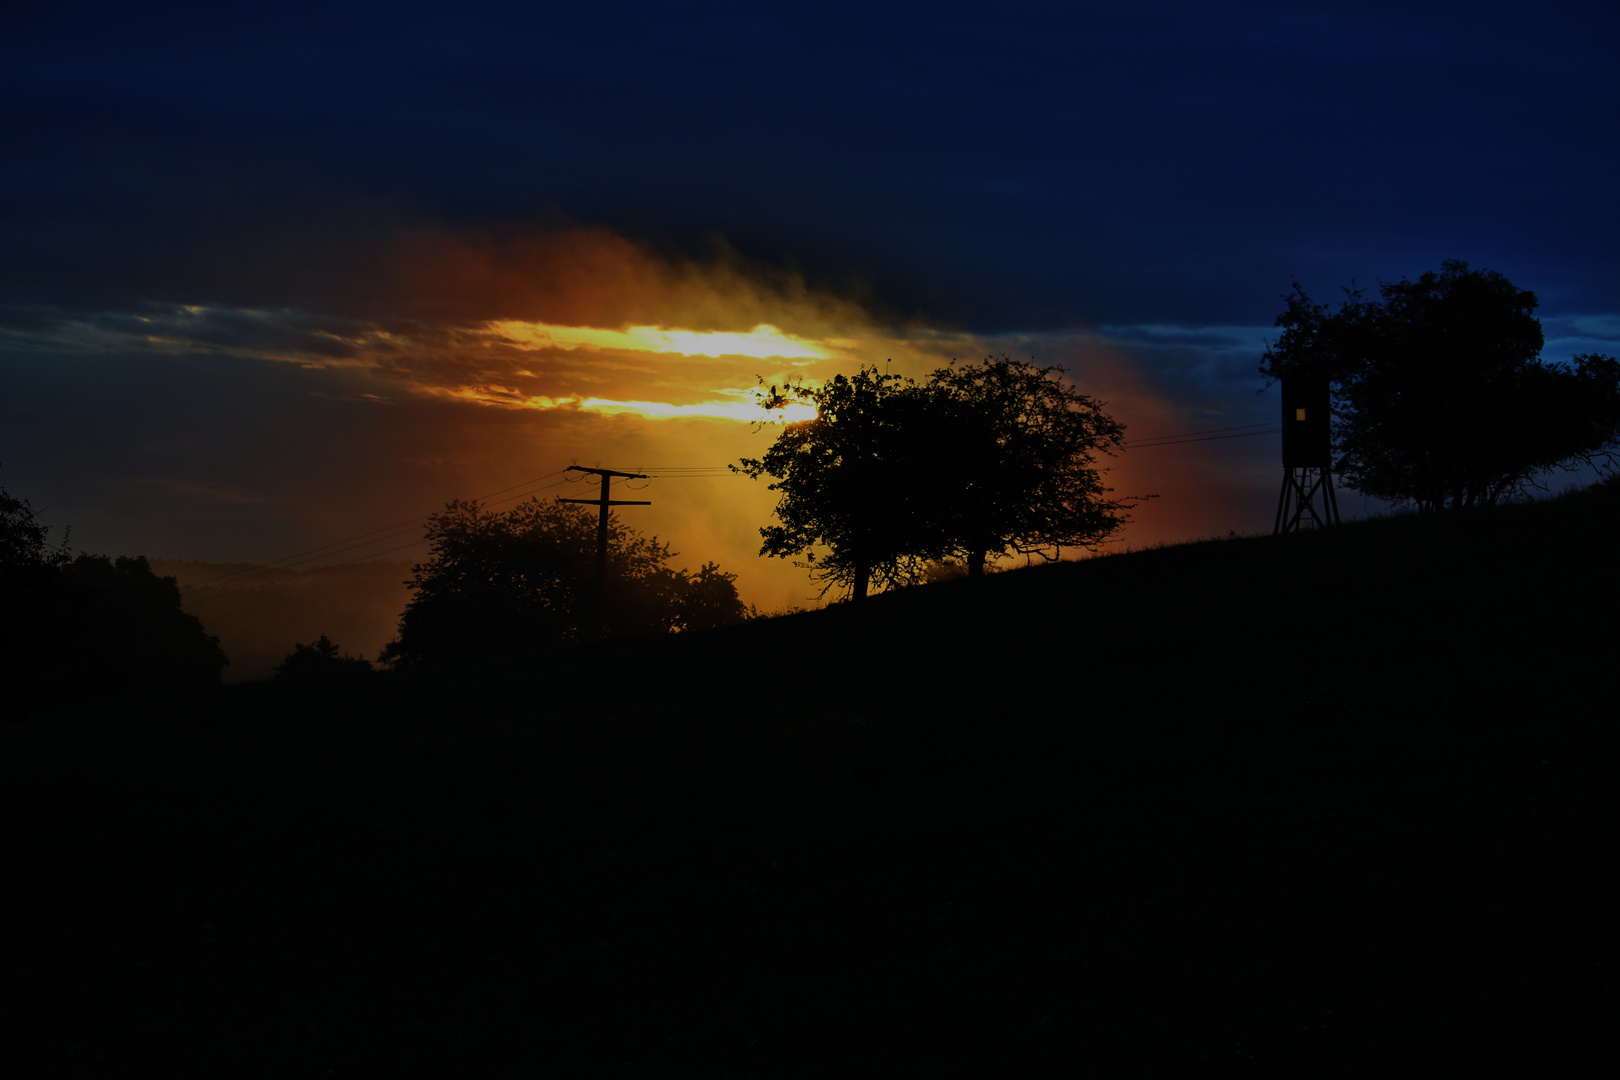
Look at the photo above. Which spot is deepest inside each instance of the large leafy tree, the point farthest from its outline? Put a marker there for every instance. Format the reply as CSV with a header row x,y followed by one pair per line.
x,y
1021,459
854,480
977,462
1442,398
504,582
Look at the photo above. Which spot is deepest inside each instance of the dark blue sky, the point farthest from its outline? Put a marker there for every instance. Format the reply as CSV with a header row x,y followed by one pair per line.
x,y
1157,173
1014,167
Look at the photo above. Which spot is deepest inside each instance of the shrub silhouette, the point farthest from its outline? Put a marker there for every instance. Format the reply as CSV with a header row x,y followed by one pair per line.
x,y
708,599
498,583
320,661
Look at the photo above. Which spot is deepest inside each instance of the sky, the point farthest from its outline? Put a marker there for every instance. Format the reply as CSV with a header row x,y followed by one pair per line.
x,y
275,277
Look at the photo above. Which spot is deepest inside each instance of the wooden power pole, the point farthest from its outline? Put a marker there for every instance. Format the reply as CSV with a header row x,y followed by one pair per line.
x,y
602,518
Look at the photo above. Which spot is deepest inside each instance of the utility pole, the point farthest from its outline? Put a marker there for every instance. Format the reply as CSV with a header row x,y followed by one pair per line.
x,y
602,518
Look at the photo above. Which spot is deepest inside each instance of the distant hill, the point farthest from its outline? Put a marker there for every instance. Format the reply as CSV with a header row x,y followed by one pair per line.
x,y
1332,805
259,613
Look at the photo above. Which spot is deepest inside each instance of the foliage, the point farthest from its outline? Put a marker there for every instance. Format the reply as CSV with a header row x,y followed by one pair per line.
x,y
708,599
77,629
892,477
25,551
320,661
1019,461
849,480
1442,397
520,580
128,631
98,627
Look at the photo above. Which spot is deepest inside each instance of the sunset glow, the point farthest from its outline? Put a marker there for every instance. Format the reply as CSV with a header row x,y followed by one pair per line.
x,y
748,411
228,342
762,342
741,408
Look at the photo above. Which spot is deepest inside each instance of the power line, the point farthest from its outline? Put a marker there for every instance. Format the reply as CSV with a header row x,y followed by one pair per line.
x,y
289,562
337,547
304,574
672,472
360,558
526,494
714,472
1269,424
1242,431
1209,431
710,475
1206,438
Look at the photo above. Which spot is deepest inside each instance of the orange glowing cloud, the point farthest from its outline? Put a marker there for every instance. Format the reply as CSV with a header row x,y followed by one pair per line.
x,y
574,318
580,318
582,276
762,342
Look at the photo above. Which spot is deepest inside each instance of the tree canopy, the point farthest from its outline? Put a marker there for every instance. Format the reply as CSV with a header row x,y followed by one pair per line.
x,y
25,549
321,661
497,583
848,480
98,627
977,462
1020,462
1442,398
76,629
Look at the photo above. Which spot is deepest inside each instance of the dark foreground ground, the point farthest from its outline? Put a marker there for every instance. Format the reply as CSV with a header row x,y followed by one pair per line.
x,y
1339,805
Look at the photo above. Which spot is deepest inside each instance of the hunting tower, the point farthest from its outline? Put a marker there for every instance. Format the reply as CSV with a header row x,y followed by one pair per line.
x,y
1307,500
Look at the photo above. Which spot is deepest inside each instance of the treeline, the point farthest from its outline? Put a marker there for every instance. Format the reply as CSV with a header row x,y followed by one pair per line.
x,y
498,583
258,612
78,628
525,580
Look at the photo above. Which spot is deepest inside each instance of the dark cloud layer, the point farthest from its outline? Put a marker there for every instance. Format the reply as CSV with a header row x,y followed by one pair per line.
x,y
1029,168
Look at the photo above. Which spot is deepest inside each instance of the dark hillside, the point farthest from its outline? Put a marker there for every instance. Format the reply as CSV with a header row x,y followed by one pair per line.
x,y
1330,805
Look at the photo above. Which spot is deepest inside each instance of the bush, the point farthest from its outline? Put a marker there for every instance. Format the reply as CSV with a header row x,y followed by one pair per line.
x,y
320,661
512,582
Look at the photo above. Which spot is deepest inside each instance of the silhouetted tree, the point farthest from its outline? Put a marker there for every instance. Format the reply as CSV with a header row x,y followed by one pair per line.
x,y
509,582
30,579
1442,397
1018,462
128,630
320,661
708,599
849,480
25,549
77,629
111,626
892,477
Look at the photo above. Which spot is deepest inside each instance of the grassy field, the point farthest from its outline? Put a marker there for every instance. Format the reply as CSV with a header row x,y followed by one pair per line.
x,y
1332,805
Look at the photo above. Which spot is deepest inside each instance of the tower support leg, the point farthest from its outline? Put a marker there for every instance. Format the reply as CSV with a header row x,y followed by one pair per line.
x,y
1307,501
